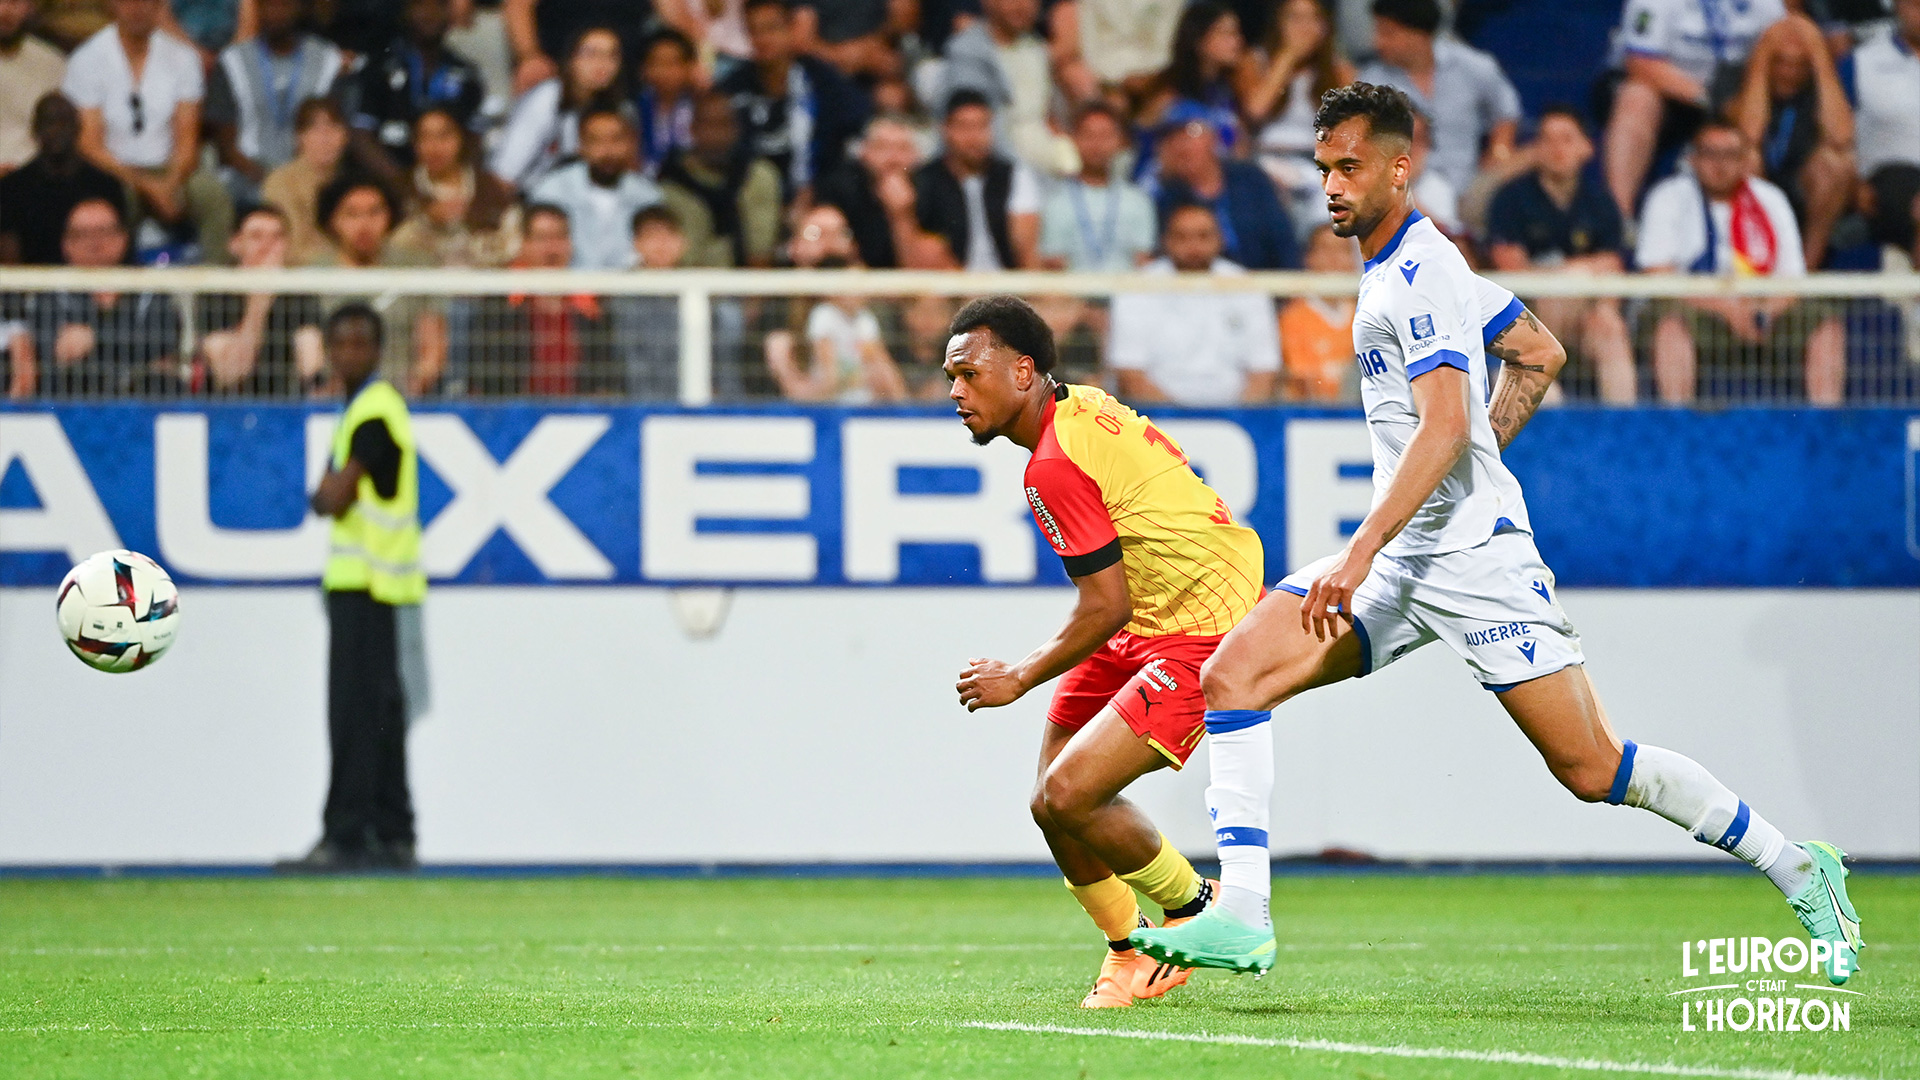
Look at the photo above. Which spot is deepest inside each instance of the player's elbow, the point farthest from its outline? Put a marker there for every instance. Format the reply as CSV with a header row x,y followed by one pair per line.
x,y
1550,357
1450,432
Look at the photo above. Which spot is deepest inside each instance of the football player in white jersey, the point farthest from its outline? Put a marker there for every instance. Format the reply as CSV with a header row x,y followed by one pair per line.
x,y
1445,554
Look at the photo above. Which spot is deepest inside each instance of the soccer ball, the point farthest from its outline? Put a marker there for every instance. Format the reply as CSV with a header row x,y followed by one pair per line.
x,y
118,611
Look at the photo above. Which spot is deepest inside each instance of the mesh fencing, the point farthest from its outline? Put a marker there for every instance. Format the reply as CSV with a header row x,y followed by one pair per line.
x,y
853,336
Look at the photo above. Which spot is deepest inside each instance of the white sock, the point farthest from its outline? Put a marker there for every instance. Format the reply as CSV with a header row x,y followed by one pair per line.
x,y
1679,789
1239,799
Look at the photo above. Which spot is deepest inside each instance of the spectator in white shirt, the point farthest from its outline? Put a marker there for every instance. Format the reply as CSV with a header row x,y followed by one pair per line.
x,y
1096,222
1194,348
1720,219
601,192
847,359
1678,60
30,69
544,127
1006,61
1474,109
138,89
1882,79
255,92
1109,42
976,209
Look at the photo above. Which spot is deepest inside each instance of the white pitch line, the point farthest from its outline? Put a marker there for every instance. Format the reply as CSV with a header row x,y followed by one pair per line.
x,y
638,948
1488,1057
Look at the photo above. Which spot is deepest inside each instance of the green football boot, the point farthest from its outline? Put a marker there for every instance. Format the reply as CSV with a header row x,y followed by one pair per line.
x,y
1211,939
1826,912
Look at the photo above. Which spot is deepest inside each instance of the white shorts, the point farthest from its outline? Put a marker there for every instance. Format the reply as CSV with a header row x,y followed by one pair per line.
x,y
1495,605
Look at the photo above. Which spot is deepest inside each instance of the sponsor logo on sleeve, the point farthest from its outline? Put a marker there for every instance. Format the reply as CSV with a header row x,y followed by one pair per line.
x,y
1045,517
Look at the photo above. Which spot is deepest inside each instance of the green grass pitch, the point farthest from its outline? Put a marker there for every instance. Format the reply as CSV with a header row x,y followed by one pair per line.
x,y
611,977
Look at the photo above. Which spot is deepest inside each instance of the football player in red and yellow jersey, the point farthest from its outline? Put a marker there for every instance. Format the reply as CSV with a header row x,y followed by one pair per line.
x,y
1163,572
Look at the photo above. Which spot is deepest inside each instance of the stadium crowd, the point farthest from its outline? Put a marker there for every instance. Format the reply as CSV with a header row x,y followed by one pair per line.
x,y
1764,137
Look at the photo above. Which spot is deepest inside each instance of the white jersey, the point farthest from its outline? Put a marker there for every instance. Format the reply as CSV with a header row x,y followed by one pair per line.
x,y
1421,307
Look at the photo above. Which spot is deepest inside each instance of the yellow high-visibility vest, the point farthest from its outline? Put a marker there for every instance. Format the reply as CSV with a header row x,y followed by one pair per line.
x,y
376,543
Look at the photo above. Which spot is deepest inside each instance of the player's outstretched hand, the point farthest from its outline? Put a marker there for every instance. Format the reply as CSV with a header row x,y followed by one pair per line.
x,y
1333,592
987,684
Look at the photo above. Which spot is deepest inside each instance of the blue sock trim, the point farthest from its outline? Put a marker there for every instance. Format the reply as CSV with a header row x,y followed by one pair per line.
x,y
1221,721
1736,831
1619,793
1238,836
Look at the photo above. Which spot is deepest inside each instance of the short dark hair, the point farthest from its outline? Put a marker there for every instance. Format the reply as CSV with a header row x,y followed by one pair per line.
x,y
469,145
1013,322
594,110
748,8
962,99
667,35
1387,111
657,214
247,210
313,109
1098,107
543,209
1565,112
1421,15
1182,206
346,184
1719,123
347,313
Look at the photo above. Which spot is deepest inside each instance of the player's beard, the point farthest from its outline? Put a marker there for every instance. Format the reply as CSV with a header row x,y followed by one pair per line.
x,y
1360,222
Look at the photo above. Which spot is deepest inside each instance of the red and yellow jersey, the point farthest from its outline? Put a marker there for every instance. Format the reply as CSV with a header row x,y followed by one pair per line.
x,y
1107,486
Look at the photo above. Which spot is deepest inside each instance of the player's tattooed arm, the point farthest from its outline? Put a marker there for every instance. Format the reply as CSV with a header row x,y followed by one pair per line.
x,y
1530,359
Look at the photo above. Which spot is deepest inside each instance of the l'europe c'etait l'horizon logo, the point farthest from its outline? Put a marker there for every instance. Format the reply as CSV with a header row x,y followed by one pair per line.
x,y
1766,997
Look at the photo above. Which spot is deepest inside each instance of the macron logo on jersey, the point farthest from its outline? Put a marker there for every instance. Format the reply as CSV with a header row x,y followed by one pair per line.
x,y
1408,269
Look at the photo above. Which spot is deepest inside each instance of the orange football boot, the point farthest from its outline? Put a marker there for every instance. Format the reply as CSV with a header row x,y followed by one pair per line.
x,y
1114,988
1152,978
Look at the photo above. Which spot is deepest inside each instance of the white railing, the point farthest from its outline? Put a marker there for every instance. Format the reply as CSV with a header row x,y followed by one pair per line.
x,y
697,289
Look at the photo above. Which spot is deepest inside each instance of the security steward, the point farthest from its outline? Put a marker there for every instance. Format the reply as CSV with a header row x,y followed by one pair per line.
x,y
374,586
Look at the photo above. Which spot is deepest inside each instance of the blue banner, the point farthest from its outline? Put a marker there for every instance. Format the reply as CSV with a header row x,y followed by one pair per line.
x,y
591,494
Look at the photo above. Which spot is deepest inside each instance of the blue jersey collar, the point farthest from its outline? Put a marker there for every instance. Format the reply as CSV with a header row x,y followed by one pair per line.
x,y
1393,245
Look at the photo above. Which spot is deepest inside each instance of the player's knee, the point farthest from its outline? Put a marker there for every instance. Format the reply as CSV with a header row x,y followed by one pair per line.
x,y
1588,781
1064,801
1223,686
1037,806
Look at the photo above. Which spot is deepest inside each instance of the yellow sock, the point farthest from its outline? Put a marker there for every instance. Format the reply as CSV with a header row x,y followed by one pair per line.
x,y
1169,880
1111,905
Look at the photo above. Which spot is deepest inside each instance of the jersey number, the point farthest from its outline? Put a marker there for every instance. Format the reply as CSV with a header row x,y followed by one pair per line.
x,y
1155,437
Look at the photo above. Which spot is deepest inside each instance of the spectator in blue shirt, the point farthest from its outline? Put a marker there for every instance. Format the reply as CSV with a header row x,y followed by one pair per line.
x,y
1255,230
1560,217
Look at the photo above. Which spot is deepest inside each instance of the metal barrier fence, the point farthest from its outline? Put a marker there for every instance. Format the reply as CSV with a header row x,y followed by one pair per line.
x,y
698,337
